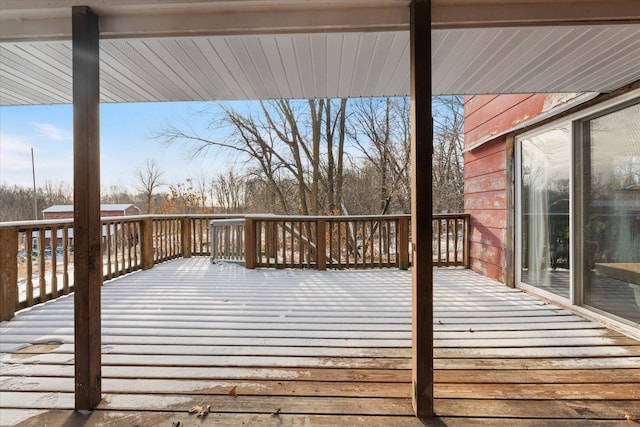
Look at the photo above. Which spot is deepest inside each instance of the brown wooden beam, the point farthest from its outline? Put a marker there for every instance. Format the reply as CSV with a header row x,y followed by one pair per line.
x,y
510,13
185,232
8,272
403,244
321,244
86,199
421,207
249,243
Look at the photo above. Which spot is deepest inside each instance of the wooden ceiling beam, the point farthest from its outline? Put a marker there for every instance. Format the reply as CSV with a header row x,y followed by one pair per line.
x,y
484,14
35,20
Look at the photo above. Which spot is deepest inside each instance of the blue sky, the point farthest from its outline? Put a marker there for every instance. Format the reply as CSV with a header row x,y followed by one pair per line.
x,y
125,143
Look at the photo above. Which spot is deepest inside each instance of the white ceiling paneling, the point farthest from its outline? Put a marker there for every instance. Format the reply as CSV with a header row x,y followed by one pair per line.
x,y
540,59
351,64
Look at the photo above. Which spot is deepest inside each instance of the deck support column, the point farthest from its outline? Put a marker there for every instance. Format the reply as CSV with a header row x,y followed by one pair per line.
x,y
8,273
321,244
86,199
421,207
249,243
185,237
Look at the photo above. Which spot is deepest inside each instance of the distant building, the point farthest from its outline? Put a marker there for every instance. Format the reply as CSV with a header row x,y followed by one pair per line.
x,y
66,212
106,210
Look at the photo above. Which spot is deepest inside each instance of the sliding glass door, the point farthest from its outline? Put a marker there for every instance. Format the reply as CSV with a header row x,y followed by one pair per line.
x,y
544,201
578,210
610,250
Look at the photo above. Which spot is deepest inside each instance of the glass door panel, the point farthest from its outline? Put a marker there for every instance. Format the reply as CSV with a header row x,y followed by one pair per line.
x,y
544,210
611,241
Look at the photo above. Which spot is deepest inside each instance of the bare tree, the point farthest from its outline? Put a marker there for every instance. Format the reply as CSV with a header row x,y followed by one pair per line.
x,y
149,180
203,186
229,192
448,161
380,129
296,155
283,142
116,194
16,203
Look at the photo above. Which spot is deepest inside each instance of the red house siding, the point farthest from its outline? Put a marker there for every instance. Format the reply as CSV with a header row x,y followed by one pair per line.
x,y
57,215
485,169
485,198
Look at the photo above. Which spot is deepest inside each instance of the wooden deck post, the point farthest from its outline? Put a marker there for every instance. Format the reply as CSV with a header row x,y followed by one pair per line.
x,y
146,243
403,244
249,243
185,229
321,244
86,198
465,242
421,207
8,273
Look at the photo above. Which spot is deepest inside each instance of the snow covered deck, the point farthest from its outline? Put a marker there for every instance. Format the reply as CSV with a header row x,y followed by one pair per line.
x,y
303,347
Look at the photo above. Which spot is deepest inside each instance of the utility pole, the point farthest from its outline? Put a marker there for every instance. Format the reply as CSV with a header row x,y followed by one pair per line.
x,y
35,195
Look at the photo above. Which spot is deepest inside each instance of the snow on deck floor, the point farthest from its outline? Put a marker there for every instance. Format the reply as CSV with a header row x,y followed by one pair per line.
x,y
187,331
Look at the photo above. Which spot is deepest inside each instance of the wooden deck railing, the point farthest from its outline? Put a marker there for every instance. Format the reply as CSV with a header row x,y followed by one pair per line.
x,y
451,240
340,242
327,242
36,258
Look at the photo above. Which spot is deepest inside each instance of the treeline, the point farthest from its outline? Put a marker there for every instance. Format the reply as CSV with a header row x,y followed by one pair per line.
x,y
311,157
326,156
18,203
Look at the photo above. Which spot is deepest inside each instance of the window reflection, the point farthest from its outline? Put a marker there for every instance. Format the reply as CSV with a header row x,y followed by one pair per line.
x,y
612,213
545,210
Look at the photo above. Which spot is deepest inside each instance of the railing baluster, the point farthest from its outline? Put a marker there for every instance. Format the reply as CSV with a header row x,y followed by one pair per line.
x,y
130,247
372,237
177,235
123,269
343,248
379,231
116,249
455,242
447,231
42,282
136,241
54,261
299,242
29,259
163,239
388,241
65,259
285,254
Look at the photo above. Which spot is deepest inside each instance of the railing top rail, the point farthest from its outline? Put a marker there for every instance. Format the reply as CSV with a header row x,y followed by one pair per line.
x,y
223,217
233,221
324,217
34,224
194,216
65,221
452,215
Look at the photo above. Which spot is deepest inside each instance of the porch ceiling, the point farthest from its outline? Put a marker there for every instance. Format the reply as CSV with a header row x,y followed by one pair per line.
x,y
184,50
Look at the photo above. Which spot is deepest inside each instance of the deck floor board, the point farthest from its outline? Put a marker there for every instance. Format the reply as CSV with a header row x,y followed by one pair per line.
x,y
326,348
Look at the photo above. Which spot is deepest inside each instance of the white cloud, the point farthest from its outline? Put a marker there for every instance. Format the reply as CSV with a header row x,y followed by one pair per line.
x,y
16,153
15,162
14,143
53,132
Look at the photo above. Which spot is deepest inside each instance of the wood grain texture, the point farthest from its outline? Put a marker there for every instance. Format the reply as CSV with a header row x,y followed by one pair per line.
x,y
86,198
326,347
421,206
